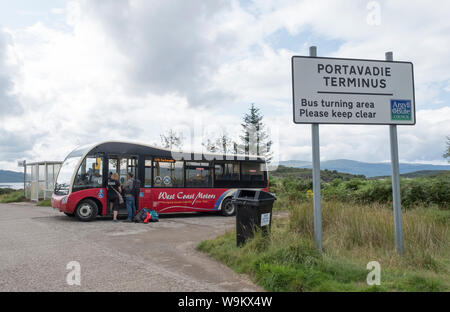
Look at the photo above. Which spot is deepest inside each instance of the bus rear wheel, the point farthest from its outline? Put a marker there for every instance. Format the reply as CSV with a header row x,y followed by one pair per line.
x,y
86,210
228,209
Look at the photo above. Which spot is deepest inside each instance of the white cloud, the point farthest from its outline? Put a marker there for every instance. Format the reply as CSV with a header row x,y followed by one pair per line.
x,y
8,101
57,11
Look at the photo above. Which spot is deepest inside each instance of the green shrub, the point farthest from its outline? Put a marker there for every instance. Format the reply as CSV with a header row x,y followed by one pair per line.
x,y
11,197
374,191
4,191
439,191
353,184
45,203
414,192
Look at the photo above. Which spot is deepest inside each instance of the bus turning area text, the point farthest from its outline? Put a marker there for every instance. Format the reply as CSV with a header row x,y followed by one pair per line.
x,y
339,109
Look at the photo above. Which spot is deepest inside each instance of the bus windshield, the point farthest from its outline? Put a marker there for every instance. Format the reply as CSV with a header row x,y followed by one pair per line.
x,y
64,179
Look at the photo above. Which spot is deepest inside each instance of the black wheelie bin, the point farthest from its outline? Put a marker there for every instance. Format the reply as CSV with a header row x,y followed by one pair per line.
x,y
253,211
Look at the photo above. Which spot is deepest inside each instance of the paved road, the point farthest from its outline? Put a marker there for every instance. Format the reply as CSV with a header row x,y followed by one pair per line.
x,y
36,243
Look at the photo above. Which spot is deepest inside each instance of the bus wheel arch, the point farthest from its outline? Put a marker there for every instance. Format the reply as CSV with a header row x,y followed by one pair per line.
x,y
227,208
99,205
87,209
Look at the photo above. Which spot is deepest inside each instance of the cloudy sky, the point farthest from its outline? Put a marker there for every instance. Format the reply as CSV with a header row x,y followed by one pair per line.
x,y
76,72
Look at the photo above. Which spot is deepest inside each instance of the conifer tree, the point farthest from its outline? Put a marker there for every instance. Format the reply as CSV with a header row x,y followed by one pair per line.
x,y
254,139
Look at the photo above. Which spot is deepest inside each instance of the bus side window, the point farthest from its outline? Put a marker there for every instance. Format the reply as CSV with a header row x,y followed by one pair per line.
x,y
148,173
227,171
198,174
168,173
252,171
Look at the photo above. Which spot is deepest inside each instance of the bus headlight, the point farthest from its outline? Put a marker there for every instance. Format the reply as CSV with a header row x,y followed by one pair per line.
x,y
64,200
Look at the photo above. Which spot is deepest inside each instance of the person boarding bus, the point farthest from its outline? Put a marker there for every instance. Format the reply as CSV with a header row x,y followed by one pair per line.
x,y
129,191
114,196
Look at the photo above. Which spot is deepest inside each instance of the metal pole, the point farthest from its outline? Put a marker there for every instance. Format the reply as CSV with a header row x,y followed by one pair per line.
x,y
396,181
24,178
316,175
46,181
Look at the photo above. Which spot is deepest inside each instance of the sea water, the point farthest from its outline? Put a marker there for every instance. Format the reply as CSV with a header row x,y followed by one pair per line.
x,y
13,185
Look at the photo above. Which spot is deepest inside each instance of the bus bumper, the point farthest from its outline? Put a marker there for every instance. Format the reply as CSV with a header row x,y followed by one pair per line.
x,y
60,202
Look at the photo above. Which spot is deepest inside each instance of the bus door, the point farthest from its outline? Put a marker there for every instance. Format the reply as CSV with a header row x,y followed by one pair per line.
x,y
122,165
145,193
132,166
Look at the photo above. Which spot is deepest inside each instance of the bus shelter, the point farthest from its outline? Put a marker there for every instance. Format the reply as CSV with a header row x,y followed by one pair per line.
x,y
39,179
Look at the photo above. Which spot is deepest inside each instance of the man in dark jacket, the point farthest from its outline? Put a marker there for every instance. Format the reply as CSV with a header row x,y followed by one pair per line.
x,y
129,190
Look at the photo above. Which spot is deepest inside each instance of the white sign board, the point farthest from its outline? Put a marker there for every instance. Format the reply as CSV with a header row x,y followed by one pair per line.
x,y
265,219
352,91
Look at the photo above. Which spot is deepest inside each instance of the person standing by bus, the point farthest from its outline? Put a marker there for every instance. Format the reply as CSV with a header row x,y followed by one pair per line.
x,y
129,191
114,190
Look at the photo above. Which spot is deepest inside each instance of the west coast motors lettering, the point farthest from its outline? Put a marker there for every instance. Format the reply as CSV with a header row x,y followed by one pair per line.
x,y
183,196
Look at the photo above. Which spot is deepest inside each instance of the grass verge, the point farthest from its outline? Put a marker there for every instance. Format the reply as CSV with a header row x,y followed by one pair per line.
x,y
45,203
12,196
353,235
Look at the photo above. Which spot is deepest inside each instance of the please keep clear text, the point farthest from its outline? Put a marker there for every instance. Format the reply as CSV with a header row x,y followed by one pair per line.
x,y
334,109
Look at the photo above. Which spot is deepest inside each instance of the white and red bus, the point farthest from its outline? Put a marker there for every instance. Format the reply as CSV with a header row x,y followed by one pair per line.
x,y
189,183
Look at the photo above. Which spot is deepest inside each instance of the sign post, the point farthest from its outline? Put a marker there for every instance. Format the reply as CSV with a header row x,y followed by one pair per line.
x,y
316,175
395,181
353,91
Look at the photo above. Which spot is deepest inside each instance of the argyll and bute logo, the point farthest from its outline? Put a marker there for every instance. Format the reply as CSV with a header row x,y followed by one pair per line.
x,y
401,110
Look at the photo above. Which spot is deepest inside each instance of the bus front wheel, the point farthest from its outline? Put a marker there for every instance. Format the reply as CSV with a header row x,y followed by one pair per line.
x,y
86,210
228,209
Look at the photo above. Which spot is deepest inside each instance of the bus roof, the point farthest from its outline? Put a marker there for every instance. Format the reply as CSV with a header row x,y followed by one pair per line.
x,y
129,148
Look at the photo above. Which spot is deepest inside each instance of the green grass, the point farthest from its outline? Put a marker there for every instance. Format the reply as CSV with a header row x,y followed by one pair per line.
x,y
45,203
353,235
12,196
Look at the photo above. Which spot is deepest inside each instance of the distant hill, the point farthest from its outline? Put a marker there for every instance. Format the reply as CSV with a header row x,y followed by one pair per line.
x,y
306,174
420,174
363,168
7,176
296,163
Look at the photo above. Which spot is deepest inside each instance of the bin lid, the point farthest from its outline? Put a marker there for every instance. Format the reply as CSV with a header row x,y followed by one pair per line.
x,y
253,195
